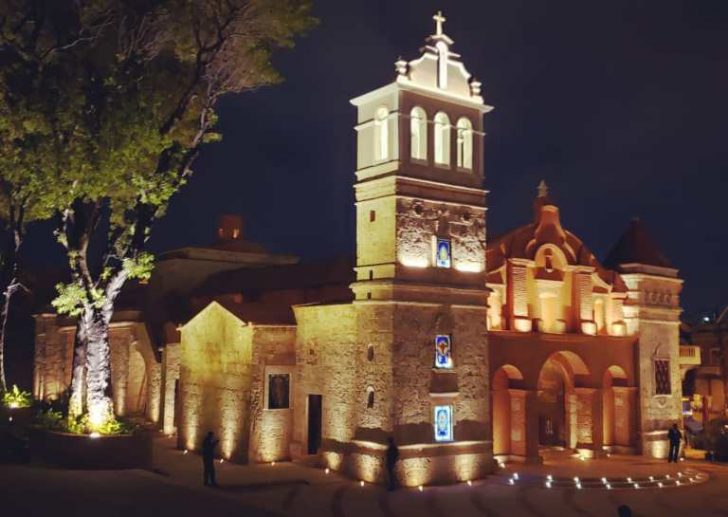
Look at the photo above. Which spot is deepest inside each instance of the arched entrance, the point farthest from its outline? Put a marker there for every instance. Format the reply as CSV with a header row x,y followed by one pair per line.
x,y
557,404
509,412
616,407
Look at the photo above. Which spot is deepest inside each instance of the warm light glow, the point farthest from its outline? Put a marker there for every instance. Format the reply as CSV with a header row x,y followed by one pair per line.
x,y
420,488
94,435
361,483
185,451
515,475
469,267
510,481
326,471
273,463
222,460
470,483
410,261
13,405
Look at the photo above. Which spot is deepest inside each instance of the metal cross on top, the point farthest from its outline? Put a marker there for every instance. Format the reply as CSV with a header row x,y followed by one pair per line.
x,y
439,20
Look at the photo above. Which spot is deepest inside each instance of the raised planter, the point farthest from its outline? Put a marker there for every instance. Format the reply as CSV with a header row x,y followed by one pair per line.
x,y
75,451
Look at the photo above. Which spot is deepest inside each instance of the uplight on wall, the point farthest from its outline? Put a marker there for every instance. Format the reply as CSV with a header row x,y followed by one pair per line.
x,y
410,261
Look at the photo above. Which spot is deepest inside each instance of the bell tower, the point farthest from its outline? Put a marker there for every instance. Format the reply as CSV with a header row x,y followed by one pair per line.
x,y
420,293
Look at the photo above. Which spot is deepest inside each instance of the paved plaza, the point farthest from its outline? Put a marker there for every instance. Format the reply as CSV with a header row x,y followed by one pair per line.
x,y
174,488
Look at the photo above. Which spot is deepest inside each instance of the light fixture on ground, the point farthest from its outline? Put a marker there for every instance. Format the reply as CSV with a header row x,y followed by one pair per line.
x,y
94,435
420,488
470,483
361,483
515,476
326,471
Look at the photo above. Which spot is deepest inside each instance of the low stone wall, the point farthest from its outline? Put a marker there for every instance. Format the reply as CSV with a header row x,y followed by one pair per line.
x,y
425,464
83,452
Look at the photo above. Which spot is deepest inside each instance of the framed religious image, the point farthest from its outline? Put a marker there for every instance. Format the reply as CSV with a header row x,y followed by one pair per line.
x,y
279,390
443,253
443,351
443,423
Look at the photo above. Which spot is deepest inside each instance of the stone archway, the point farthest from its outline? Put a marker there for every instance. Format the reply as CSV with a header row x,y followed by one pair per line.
x,y
557,403
509,412
616,407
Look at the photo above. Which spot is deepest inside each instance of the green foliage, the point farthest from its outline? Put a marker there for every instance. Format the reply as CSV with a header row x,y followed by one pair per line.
x,y
139,267
70,300
50,419
17,398
54,420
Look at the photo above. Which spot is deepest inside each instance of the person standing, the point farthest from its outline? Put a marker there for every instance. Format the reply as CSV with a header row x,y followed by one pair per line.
x,y
208,459
675,437
392,457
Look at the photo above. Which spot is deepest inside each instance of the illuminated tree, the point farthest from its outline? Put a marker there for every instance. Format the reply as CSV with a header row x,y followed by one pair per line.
x,y
137,93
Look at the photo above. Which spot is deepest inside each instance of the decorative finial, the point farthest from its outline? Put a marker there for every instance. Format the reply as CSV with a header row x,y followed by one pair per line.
x,y
439,20
475,86
543,189
401,66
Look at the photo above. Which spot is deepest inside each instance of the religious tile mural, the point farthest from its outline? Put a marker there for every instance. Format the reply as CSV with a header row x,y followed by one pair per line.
x,y
443,253
279,390
443,423
443,351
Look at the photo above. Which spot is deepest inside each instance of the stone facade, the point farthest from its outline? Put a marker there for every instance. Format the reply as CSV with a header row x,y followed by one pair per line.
x,y
459,353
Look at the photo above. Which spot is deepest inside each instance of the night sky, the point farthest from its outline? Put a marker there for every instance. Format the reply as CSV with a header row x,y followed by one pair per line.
x,y
621,106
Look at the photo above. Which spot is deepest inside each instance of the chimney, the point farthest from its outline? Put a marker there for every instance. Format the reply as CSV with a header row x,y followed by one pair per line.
x,y
230,227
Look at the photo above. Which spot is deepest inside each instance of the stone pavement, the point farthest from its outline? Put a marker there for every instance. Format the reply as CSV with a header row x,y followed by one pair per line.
x,y
174,488
292,489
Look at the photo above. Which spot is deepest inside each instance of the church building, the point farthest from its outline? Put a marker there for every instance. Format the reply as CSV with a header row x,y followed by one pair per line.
x,y
463,355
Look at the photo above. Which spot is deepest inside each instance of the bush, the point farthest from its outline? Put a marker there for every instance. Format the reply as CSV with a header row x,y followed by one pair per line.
x,y
16,398
54,420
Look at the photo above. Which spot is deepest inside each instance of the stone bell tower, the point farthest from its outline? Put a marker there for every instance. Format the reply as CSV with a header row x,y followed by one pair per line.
x,y
652,312
420,292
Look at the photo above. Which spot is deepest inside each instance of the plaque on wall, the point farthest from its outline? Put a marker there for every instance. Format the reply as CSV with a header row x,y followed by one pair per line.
x,y
278,390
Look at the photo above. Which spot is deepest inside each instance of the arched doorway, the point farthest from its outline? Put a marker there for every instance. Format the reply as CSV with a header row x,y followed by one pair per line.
x,y
616,407
509,412
557,404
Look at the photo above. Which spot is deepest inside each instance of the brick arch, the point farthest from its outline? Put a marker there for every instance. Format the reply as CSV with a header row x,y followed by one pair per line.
x,y
617,408
557,405
508,412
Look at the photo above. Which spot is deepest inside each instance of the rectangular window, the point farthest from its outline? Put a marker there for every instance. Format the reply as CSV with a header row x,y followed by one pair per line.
x,y
443,351
279,390
443,253
662,377
443,423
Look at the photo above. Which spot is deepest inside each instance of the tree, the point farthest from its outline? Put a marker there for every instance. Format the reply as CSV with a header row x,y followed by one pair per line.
x,y
137,97
28,190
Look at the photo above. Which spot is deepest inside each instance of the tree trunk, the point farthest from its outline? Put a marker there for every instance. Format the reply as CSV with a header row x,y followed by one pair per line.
x,y
98,366
99,403
11,284
77,401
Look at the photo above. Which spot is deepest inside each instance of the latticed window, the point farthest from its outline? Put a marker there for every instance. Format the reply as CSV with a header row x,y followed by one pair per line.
x,y
662,377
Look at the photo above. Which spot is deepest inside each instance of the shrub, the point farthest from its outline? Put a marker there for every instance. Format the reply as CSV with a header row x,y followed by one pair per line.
x,y
54,420
16,398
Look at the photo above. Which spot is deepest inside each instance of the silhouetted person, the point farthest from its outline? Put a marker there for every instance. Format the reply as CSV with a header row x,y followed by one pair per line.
x,y
624,511
675,437
392,457
208,458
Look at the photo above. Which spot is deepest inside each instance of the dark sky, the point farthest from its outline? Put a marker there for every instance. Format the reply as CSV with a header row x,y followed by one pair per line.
x,y
621,106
